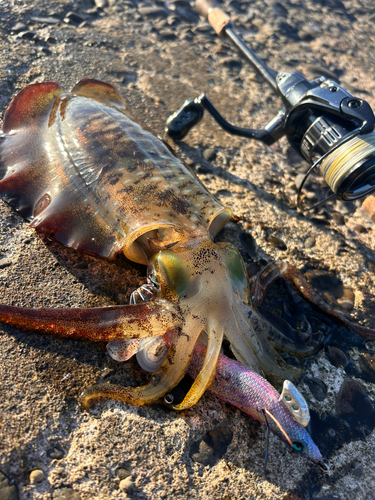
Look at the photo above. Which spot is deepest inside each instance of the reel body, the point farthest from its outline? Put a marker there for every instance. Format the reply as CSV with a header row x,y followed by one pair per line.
x,y
329,127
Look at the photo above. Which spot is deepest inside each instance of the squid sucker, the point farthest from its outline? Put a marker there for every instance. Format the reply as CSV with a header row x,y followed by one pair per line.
x,y
80,169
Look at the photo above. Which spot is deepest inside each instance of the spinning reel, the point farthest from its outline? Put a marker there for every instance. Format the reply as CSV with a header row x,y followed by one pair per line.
x,y
329,127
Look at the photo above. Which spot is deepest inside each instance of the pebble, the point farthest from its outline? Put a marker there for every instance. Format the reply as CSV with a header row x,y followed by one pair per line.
x,y
123,473
45,20
167,34
73,18
19,27
339,218
277,242
359,229
8,488
5,262
101,4
209,154
154,12
353,400
317,388
232,63
126,484
28,35
66,494
336,356
36,476
212,446
56,453
310,242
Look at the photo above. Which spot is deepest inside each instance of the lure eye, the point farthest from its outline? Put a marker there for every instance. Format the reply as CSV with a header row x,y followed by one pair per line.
x,y
298,446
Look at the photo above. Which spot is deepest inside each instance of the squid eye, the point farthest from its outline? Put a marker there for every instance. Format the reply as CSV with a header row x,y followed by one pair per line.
x,y
171,270
298,446
234,263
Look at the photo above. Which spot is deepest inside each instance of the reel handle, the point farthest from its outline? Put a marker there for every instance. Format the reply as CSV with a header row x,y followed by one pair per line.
x,y
215,16
179,124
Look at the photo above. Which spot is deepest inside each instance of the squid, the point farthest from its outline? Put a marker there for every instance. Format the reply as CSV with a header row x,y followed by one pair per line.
x,y
81,170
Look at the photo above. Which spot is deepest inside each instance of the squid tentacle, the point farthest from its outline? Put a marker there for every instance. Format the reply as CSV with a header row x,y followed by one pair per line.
x,y
168,376
207,373
276,270
98,324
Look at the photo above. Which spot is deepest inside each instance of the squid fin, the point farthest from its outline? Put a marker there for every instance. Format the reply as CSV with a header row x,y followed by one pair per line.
x,y
32,104
101,91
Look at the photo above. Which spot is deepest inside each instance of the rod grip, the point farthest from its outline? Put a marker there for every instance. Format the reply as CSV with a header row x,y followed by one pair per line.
x,y
216,17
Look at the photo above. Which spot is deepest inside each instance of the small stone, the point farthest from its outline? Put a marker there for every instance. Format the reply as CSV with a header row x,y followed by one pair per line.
x,y
212,446
66,494
19,27
73,18
310,242
359,229
339,218
277,242
8,488
317,387
209,154
55,453
5,262
101,4
123,473
336,356
167,34
126,484
154,12
28,35
36,476
45,20
232,63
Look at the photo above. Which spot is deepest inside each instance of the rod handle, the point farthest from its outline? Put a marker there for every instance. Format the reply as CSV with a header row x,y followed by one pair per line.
x,y
215,16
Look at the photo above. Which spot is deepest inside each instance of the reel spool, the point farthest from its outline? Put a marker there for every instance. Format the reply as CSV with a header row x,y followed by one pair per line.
x,y
329,127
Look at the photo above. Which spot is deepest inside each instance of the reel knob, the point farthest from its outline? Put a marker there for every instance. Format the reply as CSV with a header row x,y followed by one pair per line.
x,y
179,124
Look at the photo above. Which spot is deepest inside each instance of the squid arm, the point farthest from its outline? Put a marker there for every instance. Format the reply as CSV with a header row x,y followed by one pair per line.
x,y
276,270
98,324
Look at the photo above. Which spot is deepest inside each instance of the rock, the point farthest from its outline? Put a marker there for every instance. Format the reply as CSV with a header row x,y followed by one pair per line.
x,y
36,476
123,473
19,27
126,484
213,445
8,488
339,218
5,262
55,453
317,387
66,494
309,242
153,12
336,356
209,154
277,242
101,4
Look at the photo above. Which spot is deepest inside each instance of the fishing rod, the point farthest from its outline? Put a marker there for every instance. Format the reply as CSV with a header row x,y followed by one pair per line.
x,y
328,126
